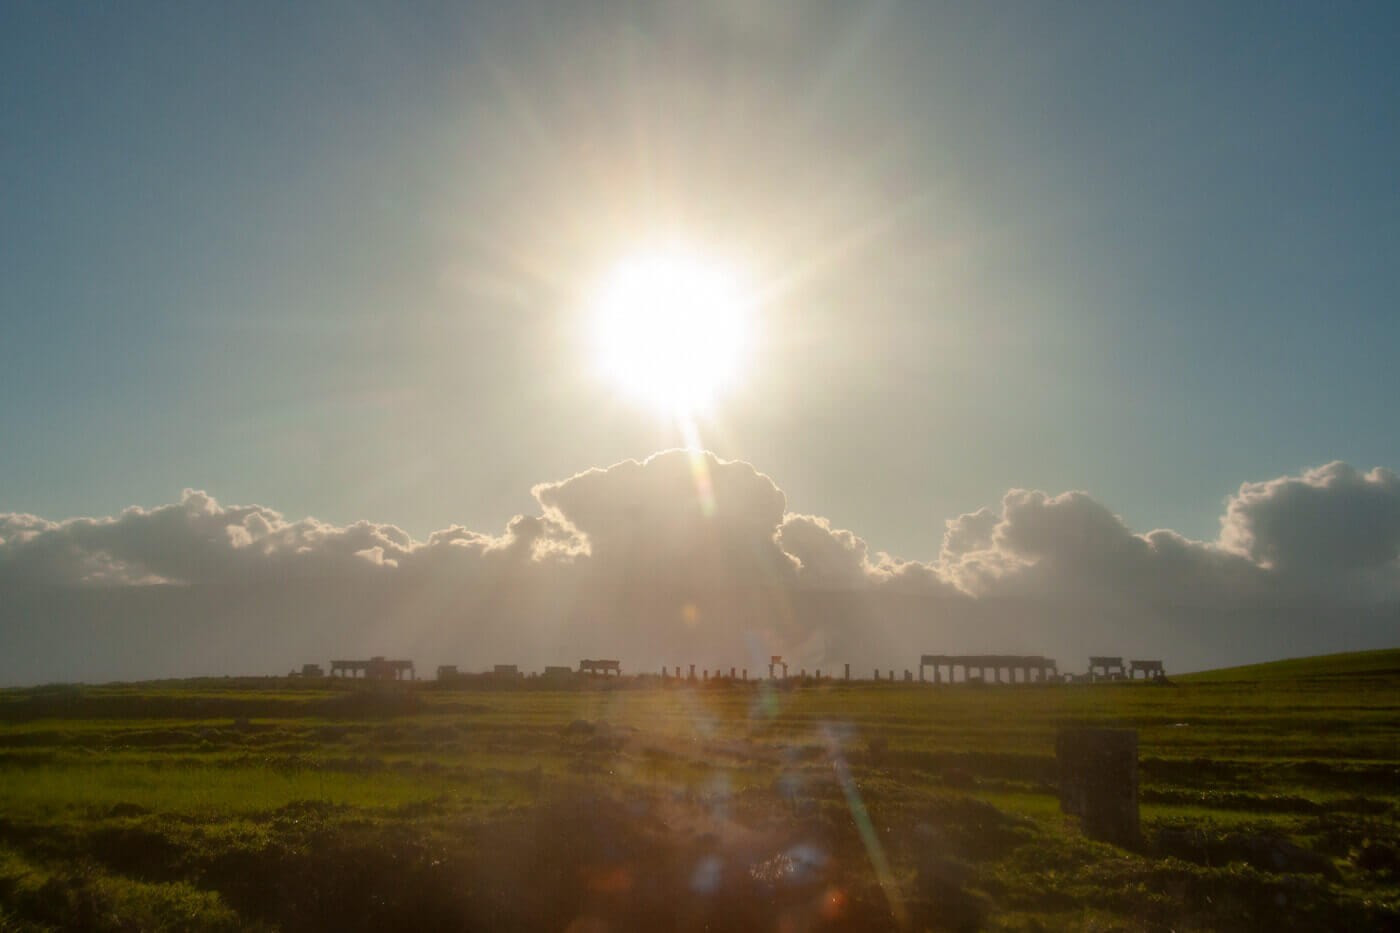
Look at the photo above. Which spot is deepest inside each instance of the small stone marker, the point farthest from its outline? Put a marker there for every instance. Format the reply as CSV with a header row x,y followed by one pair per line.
x,y
1099,780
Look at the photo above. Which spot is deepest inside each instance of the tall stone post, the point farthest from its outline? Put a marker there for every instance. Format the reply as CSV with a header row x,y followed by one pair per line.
x,y
1098,777
848,672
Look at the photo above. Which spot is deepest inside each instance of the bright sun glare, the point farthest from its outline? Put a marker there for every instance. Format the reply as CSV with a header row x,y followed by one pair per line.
x,y
671,329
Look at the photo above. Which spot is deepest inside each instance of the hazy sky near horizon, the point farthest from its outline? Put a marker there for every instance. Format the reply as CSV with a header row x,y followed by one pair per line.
x,y
333,258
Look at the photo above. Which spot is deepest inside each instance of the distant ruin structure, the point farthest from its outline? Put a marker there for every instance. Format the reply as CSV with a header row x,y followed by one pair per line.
x,y
775,662
376,668
447,671
1098,778
1151,670
1112,668
312,670
1031,667
604,666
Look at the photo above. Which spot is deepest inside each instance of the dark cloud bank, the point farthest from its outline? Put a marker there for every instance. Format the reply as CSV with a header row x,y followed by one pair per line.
x,y
686,558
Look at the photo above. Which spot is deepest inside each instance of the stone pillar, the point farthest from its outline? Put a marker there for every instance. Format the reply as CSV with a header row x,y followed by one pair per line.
x,y
1098,778
848,672
692,672
731,673
746,673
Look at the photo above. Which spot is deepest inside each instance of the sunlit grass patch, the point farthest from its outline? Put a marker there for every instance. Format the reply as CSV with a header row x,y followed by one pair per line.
x,y
204,790
1043,808
83,897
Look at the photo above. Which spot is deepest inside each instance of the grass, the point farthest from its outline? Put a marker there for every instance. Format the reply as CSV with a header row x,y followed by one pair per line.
x,y
199,790
238,804
1383,664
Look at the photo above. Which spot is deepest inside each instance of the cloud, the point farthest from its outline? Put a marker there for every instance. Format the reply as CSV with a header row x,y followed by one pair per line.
x,y
684,556
968,533
1331,520
677,517
826,557
1071,548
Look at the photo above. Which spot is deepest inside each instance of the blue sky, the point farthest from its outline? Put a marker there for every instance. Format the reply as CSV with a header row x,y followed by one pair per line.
x,y
331,259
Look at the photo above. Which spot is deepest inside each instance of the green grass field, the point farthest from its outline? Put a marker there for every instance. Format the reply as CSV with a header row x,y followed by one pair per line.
x,y
1269,797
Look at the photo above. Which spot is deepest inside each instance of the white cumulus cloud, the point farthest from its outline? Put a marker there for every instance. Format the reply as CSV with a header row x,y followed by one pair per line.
x,y
688,554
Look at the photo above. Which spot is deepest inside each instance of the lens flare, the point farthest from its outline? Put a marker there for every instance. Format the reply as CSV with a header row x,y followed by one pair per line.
x,y
699,469
866,829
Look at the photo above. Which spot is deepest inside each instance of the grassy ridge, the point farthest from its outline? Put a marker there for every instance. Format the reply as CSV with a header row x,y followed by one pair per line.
x,y
1384,663
1266,803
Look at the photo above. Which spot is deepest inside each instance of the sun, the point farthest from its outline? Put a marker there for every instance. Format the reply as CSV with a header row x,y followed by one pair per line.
x,y
671,329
